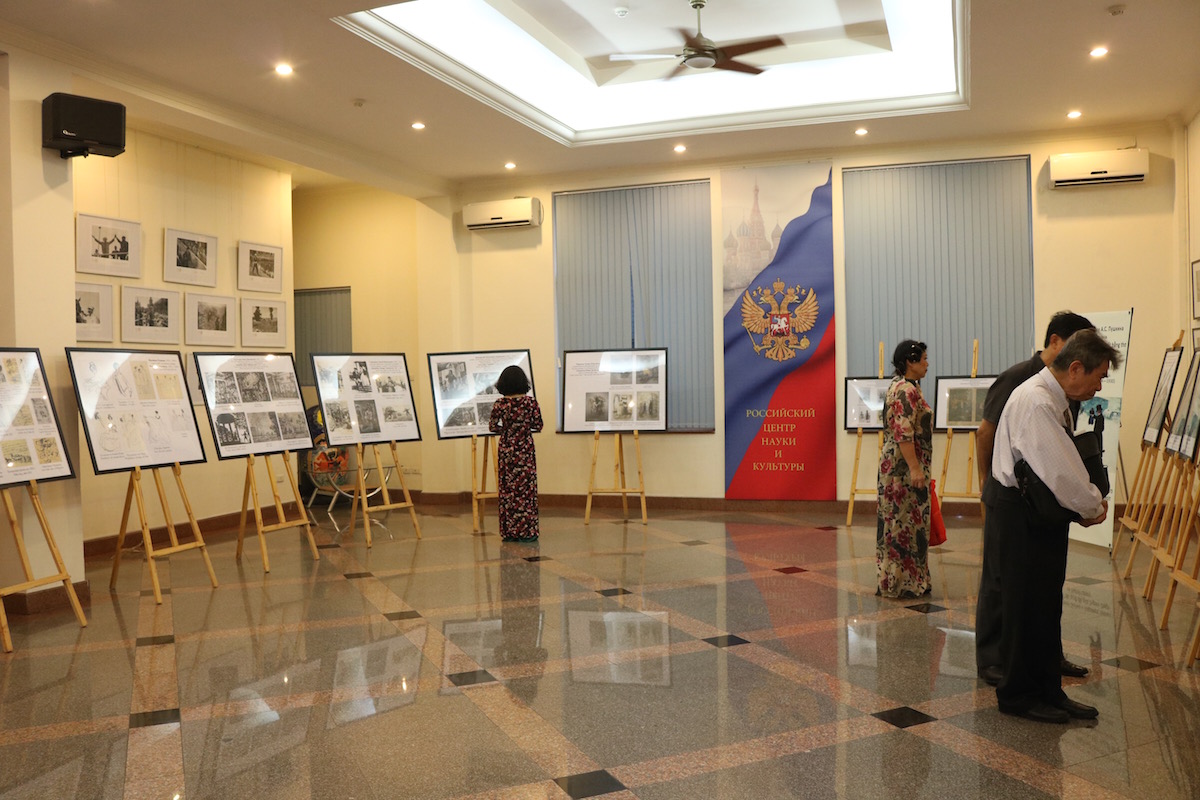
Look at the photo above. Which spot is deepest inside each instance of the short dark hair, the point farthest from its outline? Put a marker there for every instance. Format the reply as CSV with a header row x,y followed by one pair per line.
x,y
1088,348
907,352
1064,323
512,381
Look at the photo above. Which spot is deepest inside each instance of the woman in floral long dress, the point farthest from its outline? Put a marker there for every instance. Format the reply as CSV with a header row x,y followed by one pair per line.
x,y
902,538
516,417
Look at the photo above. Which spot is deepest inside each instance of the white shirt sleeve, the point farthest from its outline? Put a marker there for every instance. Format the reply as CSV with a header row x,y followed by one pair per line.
x,y
1047,448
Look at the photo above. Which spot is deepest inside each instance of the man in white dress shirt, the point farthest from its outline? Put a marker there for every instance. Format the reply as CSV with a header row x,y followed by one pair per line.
x,y
1034,428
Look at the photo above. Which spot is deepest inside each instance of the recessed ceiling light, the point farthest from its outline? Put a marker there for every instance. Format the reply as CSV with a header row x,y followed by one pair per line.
x,y
681,148
283,69
510,165
1098,52
861,132
418,126
1074,114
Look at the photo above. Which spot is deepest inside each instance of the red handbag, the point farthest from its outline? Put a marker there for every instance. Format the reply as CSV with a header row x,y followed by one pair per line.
x,y
937,525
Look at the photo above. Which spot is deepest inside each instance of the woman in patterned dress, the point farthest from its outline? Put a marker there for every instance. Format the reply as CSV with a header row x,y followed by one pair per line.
x,y
902,538
516,417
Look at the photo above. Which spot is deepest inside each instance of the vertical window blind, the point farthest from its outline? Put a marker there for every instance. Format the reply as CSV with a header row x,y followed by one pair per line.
x,y
322,326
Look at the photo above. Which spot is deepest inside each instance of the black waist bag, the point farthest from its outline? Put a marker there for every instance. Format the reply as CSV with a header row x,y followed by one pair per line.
x,y
1037,494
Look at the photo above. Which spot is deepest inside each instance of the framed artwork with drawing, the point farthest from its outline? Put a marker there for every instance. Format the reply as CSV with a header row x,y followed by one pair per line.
x,y
253,403
31,438
1162,395
366,397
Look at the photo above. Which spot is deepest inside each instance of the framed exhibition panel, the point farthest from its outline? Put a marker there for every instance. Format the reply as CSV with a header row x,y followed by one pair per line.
x,y
958,401
253,403
1189,425
1162,395
31,439
864,403
614,390
150,315
366,397
264,323
464,388
189,258
93,312
260,267
105,246
1175,437
208,319
135,408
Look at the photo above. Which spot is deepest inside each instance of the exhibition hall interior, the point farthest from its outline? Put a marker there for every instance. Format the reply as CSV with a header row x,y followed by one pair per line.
x,y
281,519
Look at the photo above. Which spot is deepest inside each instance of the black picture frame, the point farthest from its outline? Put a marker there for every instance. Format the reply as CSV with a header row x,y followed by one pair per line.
x,y
240,426
1162,396
17,475
462,395
344,424
615,391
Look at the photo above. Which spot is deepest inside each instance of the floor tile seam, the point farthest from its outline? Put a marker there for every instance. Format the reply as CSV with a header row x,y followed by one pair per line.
x,y
825,625
980,698
24,652
696,628
544,601
835,688
64,730
556,666
231,709
275,628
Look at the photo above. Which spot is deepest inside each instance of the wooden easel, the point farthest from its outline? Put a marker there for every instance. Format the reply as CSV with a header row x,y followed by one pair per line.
x,y
250,492
1151,527
619,486
479,479
133,491
854,490
360,491
30,581
970,492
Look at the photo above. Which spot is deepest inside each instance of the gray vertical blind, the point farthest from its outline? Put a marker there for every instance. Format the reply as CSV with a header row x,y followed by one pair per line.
x,y
322,326
940,253
633,268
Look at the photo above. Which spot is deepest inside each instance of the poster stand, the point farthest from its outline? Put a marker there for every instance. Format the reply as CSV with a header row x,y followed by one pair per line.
x,y
619,486
31,582
133,491
479,479
854,490
1138,495
1150,528
970,491
250,493
360,490
1172,538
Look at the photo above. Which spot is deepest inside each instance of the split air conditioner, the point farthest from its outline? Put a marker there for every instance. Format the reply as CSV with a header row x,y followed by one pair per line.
x,y
519,212
1105,166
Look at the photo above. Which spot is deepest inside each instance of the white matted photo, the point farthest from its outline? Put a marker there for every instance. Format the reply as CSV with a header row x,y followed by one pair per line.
x,y
93,312
31,440
149,315
1175,434
366,397
958,401
614,390
864,403
105,246
260,267
264,323
135,408
253,403
209,319
464,388
189,258
1162,395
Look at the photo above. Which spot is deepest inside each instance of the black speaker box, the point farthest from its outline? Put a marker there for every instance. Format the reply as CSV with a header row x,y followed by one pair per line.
x,y
80,126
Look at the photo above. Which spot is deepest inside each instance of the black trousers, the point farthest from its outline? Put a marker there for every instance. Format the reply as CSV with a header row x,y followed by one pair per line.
x,y
1033,566
988,608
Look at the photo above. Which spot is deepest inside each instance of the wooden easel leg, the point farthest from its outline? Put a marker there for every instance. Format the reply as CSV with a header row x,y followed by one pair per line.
x,y
258,520
245,505
191,515
489,457
474,486
854,480
619,470
412,511
166,507
15,523
637,446
147,542
946,460
587,512
295,487
359,490
112,581
59,564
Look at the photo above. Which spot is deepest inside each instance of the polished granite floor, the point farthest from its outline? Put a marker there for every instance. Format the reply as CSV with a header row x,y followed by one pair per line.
x,y
703,655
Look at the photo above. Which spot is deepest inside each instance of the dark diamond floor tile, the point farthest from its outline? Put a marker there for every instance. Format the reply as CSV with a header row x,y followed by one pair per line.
x,y
1130,663
827,528
353,575
791,570
927,608
726,640
329,546
145,719
613,592
148,641
471,678
694,543
590,784
399,615
535,559
903,717
150,592
1084,580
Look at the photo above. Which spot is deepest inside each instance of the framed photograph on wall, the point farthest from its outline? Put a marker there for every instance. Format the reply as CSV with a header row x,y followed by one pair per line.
x,y
464,388
260,267
93,312
210,319
105,246
189,258
31,439
1196,289
864,403
264,323
253,403
366,397
614,390
1162,395
958,402
149,315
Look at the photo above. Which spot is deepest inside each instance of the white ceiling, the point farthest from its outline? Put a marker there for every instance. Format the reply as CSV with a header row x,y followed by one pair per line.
x,y
202,70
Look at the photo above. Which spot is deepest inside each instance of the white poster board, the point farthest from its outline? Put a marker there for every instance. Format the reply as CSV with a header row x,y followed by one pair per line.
x,y
1162,396
864,403
366,397
614,390
958,402
31,439
253,403
135,408
464,388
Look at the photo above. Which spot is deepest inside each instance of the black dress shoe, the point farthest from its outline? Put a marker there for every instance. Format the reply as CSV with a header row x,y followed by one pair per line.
x,y
991,675
1039,712
1078,710
1072,670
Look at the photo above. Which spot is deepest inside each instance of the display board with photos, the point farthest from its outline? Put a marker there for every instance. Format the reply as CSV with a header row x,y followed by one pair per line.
x,y
614,390
864,403
464,388
958,401
1189,420
253,403
135,408
1162,395
31,438
1175,437
366,397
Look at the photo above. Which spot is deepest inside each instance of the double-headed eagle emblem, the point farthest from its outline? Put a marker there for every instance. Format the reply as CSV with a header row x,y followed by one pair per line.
x,y
777,325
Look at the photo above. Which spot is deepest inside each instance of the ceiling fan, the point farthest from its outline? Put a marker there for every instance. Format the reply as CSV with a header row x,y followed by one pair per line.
x,y
700,52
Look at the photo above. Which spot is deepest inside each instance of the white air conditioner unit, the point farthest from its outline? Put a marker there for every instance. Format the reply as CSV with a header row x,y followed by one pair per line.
x,y
520,212
1105,166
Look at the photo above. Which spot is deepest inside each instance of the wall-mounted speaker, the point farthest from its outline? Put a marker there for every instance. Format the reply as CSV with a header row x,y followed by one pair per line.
x,y
81,126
